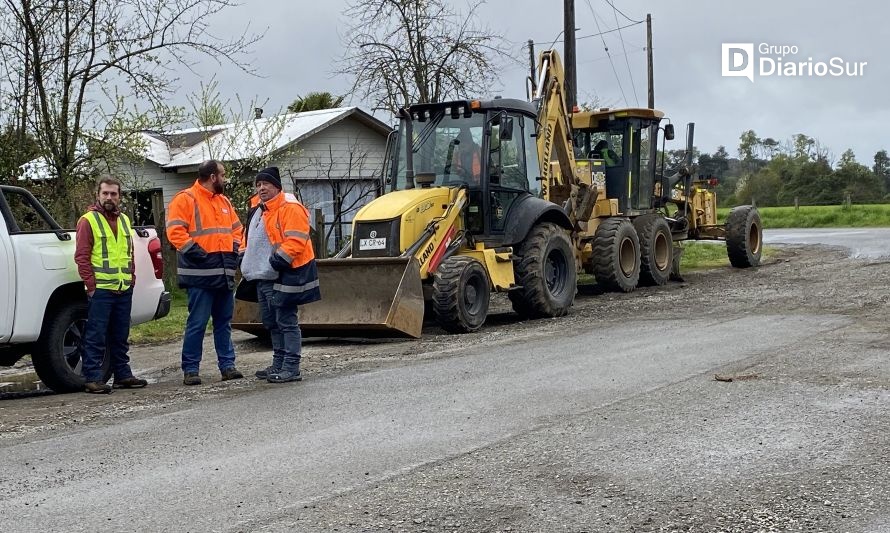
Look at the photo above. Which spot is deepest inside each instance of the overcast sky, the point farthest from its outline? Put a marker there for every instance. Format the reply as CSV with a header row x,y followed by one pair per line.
x,y
303,41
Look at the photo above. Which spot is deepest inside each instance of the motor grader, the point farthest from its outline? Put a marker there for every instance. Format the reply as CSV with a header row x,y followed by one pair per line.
x,y
643,215
503,195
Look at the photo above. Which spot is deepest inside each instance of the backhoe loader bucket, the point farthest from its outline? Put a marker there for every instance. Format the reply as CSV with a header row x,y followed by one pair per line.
x,y
368,297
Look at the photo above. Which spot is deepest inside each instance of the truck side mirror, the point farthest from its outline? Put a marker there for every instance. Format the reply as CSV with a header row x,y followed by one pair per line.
x,y
669,132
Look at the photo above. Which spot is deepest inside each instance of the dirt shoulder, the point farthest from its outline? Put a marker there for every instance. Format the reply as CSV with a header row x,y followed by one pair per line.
x,y
798,279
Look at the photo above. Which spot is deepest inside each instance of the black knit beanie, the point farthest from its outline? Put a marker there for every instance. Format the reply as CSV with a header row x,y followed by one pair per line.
x,y
271,175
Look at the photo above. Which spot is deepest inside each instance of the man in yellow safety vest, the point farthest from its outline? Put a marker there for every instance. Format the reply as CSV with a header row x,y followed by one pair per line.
x,y
104,257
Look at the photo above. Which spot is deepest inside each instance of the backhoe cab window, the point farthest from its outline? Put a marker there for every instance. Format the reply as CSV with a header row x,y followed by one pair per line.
x,y
450,148
506,159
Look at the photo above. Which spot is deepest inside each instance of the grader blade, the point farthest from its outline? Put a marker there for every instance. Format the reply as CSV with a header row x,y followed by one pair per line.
x,y
368,297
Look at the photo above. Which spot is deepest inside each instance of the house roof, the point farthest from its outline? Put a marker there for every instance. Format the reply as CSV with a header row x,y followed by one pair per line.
x,y
236,141
232,142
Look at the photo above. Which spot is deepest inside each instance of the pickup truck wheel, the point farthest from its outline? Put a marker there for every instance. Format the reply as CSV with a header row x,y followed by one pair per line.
x,y
57,351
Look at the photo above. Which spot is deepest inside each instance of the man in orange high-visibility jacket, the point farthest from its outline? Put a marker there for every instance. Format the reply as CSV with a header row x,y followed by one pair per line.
x,y
204,228
278,255
466,161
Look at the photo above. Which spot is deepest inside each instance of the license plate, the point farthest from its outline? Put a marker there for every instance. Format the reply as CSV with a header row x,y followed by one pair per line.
x,y
372,244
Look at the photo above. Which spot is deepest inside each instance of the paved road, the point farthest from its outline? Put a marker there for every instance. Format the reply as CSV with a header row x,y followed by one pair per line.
x,y
256,460
863,243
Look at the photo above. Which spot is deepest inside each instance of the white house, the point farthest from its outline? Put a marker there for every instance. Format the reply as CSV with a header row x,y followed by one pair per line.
x,y
327,157
331,158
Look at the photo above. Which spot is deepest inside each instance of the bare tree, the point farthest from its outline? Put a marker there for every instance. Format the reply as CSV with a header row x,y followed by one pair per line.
x,y
84,64
419,51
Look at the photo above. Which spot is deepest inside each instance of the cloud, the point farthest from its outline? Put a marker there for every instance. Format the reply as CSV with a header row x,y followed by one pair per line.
x,y
302,44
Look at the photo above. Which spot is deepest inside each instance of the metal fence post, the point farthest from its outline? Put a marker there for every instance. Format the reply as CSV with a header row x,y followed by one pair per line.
x,y
318,241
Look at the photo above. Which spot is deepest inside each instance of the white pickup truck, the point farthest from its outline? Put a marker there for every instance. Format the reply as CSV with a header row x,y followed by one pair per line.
x,y
43,304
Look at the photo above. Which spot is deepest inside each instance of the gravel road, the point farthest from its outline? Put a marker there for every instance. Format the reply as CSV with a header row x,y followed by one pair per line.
x,y
739,400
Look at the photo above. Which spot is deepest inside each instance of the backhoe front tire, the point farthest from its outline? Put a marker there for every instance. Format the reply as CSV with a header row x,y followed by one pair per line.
x,y
545,272
461,293
616,255
656,249
57,352
744,236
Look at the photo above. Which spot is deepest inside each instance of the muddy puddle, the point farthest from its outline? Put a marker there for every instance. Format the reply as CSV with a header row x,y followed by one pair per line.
x,y
18,385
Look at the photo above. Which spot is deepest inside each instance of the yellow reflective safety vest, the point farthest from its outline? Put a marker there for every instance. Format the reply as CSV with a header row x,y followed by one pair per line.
x,y
112,255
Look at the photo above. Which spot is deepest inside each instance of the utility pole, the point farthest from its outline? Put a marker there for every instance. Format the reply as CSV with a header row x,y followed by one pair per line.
x,y
649,60
569,49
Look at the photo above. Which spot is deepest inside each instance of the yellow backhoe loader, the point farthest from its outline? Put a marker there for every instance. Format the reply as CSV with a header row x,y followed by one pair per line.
x,y
491,196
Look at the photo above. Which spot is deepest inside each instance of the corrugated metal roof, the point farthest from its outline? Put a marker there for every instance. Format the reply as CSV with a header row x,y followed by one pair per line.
x,y
242,140
232,142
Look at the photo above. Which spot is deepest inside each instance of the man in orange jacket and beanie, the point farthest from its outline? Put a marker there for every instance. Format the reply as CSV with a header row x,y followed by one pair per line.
x,y
204,228
278,255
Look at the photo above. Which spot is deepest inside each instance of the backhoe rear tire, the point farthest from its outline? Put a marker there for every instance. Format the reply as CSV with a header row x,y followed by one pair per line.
x,y
461,293
57,352
656,249
545,272
616,255
744,236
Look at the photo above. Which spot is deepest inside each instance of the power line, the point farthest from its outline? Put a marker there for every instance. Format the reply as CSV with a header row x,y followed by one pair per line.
x,y
606,47
558,40
633,51
626,61
622,13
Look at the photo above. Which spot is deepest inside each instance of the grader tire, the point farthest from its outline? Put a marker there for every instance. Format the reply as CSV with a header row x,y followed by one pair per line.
x,y
545,272
744,237
461,293
656,249
616,252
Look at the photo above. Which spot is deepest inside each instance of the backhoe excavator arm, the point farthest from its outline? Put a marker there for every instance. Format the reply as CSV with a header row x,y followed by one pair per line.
x,y
555,136
553,118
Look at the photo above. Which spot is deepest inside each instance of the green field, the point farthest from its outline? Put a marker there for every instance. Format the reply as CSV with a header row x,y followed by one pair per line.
x,y
829,216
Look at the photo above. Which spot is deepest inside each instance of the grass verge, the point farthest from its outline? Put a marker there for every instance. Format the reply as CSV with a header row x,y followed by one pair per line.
x,y
166,329
825,216
700,255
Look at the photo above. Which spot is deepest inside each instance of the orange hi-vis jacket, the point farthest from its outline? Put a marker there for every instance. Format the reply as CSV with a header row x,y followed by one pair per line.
x,y
470,163
287,227
206,232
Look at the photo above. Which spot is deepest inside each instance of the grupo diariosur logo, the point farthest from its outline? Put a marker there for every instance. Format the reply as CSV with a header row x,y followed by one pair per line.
x,y
783,60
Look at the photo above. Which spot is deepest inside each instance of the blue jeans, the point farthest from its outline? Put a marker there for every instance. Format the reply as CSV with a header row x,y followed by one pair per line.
x,y
108,327
283,327
203,304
